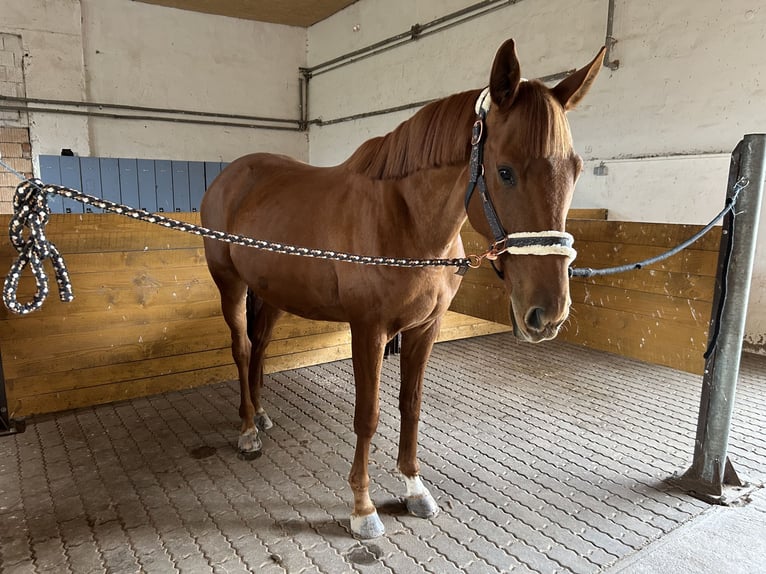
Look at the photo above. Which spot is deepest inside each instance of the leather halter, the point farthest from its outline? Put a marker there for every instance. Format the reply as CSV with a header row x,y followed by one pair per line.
x,y
523,243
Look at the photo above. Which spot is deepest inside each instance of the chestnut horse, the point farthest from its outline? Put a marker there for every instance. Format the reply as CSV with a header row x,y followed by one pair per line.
x,y
401,195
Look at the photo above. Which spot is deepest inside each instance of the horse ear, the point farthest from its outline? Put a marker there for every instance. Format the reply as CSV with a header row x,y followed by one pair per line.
x,y
505,76
573,88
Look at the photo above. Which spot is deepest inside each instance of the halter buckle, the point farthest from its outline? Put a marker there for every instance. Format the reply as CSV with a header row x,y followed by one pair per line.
x,y
477,132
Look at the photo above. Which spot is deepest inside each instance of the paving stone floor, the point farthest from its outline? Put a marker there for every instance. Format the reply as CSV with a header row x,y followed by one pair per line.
x,y
544,458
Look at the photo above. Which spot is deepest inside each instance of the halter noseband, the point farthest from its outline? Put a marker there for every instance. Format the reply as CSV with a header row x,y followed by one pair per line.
x,y
522,243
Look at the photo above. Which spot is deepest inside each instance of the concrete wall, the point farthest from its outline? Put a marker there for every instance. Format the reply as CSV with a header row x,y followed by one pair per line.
x,y
689,85
123,52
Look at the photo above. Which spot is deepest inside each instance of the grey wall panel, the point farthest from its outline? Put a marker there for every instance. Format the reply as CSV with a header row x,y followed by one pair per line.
x,y
50,172
90,171
70,177
110,179
196,183
163,175
181,200
212,169
147,187
128,182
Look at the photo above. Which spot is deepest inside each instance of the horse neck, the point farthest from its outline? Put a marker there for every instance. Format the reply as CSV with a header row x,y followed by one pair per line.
x,y
425,158
434,199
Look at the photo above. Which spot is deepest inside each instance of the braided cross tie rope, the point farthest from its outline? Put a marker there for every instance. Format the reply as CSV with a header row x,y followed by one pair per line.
x,y
31,210
30,207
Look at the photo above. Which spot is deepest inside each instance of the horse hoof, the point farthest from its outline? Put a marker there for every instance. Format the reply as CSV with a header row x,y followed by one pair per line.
x,y
422,505
262,421
367,526
249,445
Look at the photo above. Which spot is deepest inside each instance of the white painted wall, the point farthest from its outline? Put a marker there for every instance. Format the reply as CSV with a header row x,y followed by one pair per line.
x,y
690,84
125,52
51,36
147,55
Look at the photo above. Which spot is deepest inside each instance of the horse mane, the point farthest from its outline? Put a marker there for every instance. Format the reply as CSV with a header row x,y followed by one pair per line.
x,y
439,134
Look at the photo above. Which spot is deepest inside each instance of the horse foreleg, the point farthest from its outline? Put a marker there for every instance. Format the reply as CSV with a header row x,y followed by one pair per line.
x,y
367,346
416,348
261,320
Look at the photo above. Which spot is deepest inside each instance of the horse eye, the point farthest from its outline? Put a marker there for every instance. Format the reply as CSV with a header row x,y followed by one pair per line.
x,y
507,176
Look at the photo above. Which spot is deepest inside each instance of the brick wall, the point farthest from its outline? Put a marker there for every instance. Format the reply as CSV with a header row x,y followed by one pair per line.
x,y
15,148
16,152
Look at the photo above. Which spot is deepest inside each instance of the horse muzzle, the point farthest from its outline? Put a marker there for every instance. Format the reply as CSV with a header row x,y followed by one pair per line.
x,y
536,324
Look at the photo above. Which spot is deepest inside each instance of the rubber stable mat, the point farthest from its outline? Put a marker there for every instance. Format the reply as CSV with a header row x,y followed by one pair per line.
x,y
543,458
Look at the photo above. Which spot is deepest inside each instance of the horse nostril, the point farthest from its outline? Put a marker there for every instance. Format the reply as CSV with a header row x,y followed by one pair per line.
x,y
534,319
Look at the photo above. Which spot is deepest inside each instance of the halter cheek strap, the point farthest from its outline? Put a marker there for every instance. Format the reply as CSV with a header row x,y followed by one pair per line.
x,y
523,243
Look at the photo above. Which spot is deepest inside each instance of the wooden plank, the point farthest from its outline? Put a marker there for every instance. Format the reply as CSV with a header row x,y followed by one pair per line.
x,y
689,286
639,233
483,301
656,306
599,254
306,358
43,383
640,337
113,344
74,398
588,213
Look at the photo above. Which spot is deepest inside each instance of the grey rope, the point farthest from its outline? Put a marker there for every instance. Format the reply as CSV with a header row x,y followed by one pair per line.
x,y
730,201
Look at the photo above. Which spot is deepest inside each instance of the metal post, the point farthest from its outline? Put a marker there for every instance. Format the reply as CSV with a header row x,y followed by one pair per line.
x,y
711,468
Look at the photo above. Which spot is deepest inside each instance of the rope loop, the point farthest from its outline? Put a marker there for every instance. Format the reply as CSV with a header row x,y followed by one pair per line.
x,y
31,212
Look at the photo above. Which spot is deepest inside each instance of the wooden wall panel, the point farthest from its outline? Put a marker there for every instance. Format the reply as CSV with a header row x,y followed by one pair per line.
x,y
658,314
145,319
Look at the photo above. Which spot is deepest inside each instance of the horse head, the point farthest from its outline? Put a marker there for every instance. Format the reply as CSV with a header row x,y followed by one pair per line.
x,y
528,178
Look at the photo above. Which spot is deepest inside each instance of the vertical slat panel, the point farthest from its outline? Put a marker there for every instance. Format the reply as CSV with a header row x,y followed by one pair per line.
x,y
163,175
181,201
147,188
70,177
212,169
50,172
128,181
196,183
110,179
90,170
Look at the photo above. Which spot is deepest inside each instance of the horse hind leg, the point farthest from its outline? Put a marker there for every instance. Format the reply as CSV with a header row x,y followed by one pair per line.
x,y
261,318
416,349
233,307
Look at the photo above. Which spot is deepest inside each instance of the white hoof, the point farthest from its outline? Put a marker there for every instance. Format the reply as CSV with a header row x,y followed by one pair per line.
x,y
262,421
367,526
249,442
420,503
423,506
